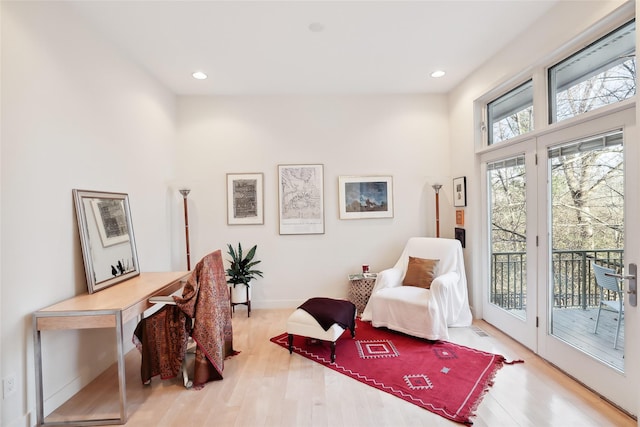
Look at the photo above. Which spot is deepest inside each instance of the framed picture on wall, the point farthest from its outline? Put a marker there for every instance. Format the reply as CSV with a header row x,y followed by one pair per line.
x,y
460,191
460,235
301,199
111,221
365,197
245,198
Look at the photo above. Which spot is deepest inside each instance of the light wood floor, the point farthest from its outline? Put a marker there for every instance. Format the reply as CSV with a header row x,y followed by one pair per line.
x,y
265,386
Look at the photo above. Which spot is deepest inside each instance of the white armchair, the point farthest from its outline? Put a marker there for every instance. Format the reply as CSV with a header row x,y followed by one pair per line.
x,y
424,313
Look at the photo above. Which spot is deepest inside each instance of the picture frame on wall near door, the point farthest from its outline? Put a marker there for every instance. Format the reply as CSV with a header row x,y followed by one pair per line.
x,y
460,191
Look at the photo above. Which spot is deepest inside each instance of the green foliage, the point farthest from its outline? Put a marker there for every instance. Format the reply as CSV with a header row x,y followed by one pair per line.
x,y
241,269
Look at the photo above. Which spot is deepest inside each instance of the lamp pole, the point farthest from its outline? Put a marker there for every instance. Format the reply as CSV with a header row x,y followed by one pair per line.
x,y
437,188
185,193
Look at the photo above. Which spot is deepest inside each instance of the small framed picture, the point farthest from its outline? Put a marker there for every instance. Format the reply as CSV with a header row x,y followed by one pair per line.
x,y
365,197
460,235
460,191
459,217
245,199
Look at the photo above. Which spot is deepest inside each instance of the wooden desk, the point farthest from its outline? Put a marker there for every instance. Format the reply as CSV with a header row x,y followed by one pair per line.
x,y
109,308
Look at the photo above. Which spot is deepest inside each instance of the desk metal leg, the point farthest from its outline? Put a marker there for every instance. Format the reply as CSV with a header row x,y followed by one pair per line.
x,y
122,384
37,350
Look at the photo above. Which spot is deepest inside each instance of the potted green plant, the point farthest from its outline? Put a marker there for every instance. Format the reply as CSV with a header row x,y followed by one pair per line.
x,y
240,272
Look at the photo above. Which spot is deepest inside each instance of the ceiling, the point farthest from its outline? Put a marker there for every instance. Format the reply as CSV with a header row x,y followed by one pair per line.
x,y
270,47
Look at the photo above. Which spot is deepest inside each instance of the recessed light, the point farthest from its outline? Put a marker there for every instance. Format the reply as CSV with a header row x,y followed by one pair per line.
x,y
438,73
199,75
316,27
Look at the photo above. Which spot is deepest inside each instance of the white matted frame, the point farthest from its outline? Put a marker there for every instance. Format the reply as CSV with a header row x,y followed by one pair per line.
x,y
111,221
460,191
245,198
301,199
365,197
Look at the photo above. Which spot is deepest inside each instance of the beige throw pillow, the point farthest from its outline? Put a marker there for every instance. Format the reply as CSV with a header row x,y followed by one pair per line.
x,y
420,272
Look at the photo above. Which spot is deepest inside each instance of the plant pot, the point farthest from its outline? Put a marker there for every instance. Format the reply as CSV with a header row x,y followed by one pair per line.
x,y
239,293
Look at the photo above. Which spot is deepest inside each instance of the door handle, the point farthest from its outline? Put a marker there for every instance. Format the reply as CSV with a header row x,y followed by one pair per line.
x,y
632,289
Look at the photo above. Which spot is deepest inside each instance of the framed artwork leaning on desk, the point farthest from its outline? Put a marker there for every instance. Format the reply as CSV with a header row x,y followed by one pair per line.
x,y
106,238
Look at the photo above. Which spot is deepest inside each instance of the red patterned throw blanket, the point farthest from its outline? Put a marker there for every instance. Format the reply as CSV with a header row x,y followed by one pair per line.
x,y
328,311
162,356
205,298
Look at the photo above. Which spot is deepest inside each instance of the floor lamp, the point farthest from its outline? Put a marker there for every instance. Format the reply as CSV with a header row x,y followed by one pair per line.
x,y
185,193
437,187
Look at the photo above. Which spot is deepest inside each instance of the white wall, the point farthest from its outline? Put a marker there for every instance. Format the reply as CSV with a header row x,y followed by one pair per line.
x,y
74,115
402,136
0,205
528,51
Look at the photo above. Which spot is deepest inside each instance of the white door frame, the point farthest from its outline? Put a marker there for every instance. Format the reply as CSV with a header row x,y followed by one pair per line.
x,y
596,375
620,388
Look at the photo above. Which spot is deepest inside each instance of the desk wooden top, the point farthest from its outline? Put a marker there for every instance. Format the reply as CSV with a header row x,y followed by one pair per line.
x,y
121,296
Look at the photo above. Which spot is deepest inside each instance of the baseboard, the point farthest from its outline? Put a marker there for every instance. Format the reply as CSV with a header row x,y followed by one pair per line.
x,y
54,401
84,377
23,421
277,304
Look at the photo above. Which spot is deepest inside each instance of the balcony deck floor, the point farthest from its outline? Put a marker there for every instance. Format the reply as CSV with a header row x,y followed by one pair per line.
x,y
575,326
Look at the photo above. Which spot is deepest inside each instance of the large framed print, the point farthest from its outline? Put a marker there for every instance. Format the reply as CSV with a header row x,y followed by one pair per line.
x,y
245,198
301,199
365,197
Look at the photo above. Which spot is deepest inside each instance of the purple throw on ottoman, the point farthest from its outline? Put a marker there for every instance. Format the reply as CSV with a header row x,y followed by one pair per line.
x,y
323,319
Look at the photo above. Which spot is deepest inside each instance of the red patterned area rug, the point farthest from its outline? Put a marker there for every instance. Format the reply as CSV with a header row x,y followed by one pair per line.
x,y
444,378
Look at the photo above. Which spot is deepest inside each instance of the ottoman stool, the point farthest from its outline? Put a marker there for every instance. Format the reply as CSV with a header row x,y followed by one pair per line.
x,y
302,323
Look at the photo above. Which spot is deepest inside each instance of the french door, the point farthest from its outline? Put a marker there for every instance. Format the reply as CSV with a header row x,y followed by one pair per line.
x,y
510,302
555,204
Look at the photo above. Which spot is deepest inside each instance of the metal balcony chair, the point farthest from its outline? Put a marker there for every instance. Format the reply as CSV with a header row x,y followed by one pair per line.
x,y
613,285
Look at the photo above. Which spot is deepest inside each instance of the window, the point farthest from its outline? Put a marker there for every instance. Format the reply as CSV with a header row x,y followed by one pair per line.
x,y
603,73
511,114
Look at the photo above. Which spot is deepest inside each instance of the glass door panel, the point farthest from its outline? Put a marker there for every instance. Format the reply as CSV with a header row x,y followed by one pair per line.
x,y
586,193
510,293
508,231
587,188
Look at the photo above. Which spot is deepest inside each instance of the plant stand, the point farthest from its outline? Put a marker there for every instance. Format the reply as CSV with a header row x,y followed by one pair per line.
x,y
237,297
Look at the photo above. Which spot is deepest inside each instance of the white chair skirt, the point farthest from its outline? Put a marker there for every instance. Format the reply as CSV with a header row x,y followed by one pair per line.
x,y
410,310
